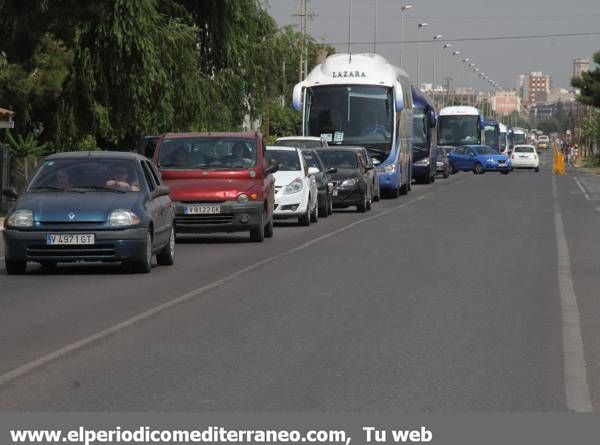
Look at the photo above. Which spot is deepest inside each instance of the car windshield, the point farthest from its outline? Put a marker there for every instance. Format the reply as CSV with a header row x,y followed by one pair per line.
x,y
288,160
524,150
338,159
491,135
311,159
86,174
210,153
485,151
298,143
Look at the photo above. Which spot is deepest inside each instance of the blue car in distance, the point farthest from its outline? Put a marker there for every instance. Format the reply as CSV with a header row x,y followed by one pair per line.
x,y
478,159
91,206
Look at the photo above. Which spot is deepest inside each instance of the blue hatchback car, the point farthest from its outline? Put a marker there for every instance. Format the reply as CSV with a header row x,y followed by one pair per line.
x,y
478,159
91,206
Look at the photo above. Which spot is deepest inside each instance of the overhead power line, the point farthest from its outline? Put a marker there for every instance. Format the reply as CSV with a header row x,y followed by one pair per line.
x,y
476,39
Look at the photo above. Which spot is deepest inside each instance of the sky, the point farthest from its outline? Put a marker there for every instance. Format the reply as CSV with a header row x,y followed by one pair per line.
x,y
502,60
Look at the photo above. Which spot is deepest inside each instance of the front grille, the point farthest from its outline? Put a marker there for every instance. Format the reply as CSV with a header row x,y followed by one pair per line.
x,y
193,220
87,251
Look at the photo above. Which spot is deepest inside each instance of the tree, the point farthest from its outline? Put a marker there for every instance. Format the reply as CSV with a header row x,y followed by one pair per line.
x,y
589,84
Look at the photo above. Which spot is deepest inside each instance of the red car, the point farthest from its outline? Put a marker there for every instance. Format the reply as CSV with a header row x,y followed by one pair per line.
x,y
220,182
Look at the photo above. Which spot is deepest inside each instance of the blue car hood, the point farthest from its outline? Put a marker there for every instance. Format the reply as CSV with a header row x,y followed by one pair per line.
x,y
74,207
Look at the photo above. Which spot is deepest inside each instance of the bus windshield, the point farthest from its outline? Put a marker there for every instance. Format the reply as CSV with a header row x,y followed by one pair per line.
x,y
352,115
458,130
491,135
419,128
518,138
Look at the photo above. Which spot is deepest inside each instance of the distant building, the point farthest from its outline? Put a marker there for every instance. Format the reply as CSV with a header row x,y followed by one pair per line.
x,y
560,95
579,66
538,87
506,102
521,90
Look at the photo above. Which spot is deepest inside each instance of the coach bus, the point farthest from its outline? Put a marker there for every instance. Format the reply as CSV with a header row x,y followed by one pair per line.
x,y
459,125
503,139
491,129
424,145
361,99
517,137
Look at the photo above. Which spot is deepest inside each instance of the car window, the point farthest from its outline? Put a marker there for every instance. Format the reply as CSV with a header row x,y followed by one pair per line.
x,y
524,150
153,172
149,180
311,159
91,174
298,143
338,159
207,153
288,160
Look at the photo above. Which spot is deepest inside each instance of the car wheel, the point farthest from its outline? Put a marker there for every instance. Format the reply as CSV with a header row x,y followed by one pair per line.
x,y
166,257
314,215
446,174
369,202
377,197
505,172
394,193
403,189
537,169
269,229
453,170
478,169
304,220
15,267
324,208
330,205
144,264
362,207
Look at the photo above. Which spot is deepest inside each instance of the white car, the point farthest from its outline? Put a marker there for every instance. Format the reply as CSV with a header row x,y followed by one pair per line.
x,y
295,186
525,156
301,142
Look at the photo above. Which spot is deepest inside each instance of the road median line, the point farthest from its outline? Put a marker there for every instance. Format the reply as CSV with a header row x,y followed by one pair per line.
x,y
86,341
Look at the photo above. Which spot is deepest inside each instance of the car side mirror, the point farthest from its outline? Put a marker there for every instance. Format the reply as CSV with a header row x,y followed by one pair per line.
x,y
313,171
375,161
271,168
332,170
472,154
10,193
161,190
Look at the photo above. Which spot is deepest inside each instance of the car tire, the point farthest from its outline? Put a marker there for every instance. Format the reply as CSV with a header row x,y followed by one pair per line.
x,y
304,220
144,265
446,174
432,179
369,202
324,209
15,267
394,193
362,207
537,169
478,169
269,229
314,215
403,190
166,257
505,172
330,205
377,197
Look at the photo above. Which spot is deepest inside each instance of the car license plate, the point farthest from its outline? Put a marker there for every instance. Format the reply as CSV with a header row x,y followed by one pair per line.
x,y
334,193
70,239
202,210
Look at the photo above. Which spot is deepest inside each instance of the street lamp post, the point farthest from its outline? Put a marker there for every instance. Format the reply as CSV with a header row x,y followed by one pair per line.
x,y
349,23
420,26
402,9
435,38
375,30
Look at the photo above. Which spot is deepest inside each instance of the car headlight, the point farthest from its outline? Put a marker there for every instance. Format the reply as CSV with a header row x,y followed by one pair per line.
x,y
122,217
350,182
389,168
20,218
423,162
293,187
242,197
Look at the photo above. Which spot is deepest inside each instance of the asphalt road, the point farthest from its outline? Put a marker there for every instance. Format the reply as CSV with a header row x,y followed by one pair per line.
x,y
447,299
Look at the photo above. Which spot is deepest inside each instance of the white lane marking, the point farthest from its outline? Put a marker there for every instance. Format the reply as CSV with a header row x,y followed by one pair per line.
x,y
585,193
41,361
576,386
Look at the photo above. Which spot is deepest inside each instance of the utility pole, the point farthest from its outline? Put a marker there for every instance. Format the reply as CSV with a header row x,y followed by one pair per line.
x,y
303,15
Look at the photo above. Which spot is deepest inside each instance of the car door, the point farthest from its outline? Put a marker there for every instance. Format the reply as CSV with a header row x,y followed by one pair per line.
x,y
153,207
362,163
165,203
455,157
371,172
470,159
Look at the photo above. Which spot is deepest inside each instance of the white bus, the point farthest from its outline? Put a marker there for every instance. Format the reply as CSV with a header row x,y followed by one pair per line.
x,y
460,125
361,99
